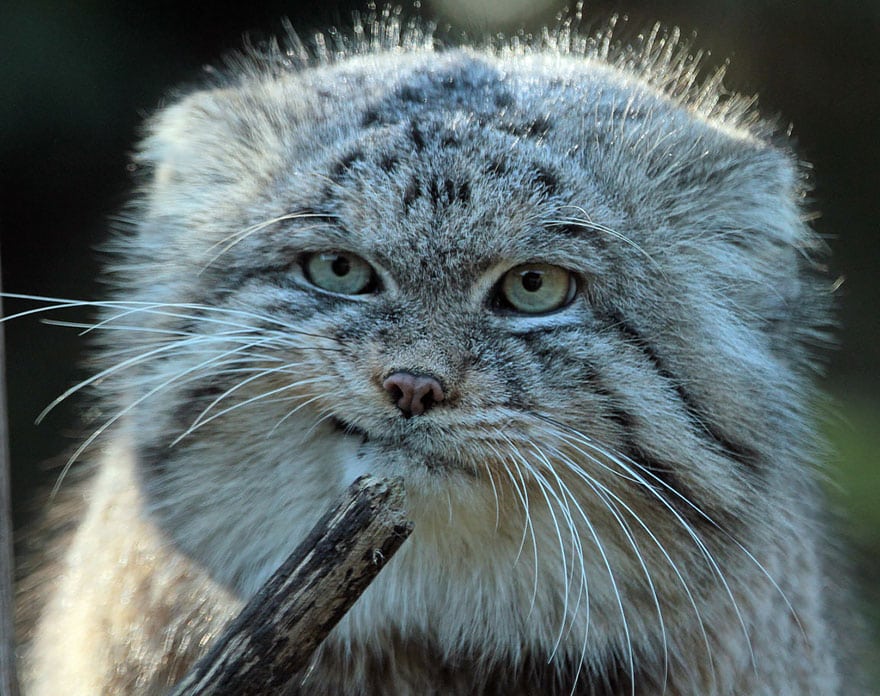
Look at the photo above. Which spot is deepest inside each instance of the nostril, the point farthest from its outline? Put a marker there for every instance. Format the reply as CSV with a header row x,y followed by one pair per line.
x,y
413,394
427,401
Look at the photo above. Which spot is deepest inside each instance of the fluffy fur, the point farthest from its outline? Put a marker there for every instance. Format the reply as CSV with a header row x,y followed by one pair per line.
x,y
614,497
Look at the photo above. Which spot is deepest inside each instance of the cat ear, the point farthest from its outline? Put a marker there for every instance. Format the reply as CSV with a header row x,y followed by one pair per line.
x,y
216,147
183,150
738,190
745,216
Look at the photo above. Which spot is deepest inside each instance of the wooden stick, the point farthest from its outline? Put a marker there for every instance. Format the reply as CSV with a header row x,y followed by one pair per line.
x,y
278,631
8,682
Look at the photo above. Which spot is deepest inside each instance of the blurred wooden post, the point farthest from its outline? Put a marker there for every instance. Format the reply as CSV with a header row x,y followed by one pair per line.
x,y
8,681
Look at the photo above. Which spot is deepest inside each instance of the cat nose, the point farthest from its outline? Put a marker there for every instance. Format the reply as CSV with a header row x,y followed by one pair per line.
x,y
413,394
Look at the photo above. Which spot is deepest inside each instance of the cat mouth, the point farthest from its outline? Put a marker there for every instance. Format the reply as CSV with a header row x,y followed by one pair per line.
x,y
349,429
433,463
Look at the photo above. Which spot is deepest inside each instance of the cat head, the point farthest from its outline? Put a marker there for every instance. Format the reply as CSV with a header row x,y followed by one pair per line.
x,y
521,277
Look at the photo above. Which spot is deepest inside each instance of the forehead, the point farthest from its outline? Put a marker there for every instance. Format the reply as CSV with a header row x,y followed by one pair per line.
x,y
453,155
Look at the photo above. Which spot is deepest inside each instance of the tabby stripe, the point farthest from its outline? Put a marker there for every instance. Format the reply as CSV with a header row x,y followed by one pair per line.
x,y
658,476
663,482
744,455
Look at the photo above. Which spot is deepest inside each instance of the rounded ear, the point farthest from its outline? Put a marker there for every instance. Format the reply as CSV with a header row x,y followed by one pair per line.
x,y
181,149
215,147
749,195
746,211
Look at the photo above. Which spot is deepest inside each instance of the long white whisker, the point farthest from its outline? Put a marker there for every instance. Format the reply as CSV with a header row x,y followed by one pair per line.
x,y
541,487
521,491
176,378
324,414
633,468
298,408
488,470
583,590
159,309
618,597
255,373
528,526
578,471
610,500
237,237
137,359
202,421
569,613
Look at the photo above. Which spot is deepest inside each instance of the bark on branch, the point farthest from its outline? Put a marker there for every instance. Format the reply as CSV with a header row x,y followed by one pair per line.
x,y
279,630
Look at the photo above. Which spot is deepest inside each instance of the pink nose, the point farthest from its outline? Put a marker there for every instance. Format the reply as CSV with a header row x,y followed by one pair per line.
x,y
413,394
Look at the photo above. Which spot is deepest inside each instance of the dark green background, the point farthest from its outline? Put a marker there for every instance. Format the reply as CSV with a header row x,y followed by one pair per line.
x,y
76,79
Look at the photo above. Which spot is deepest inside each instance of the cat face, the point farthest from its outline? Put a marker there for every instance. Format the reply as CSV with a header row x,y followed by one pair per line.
x,y
597,297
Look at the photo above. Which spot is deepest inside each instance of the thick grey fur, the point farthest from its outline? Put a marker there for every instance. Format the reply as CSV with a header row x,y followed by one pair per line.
x,y
615,497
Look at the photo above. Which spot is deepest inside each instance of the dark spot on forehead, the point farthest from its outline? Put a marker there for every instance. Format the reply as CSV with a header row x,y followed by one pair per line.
x,y
416,136
413,191
446,191
497,167
341,167
449,139
412,94
388,163
504,99
534,128
372,117
543,178
547,179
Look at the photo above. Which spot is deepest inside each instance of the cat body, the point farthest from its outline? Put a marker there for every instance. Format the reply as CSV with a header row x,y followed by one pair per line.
x,y
589,280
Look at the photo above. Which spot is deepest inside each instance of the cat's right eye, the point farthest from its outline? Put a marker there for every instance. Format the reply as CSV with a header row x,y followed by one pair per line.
x,y
339,272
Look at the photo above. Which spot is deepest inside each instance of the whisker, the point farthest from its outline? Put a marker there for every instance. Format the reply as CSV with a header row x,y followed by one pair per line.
x,y
521,492
610,500
633,468
201,420
238,237
605,560
125,364
159,309
324,415
586,223
296,410
565,574
488,470
131,406
544,487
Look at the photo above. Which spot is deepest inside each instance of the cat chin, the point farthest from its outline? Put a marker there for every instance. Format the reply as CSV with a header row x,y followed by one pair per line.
x,y
428,472
355,467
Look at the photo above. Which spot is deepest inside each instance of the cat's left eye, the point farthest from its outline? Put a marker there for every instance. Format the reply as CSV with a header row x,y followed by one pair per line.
x,y
339,272
536,288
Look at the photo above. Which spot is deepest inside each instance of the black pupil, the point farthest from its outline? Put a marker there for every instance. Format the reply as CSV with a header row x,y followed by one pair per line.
x,y
340,266
532,281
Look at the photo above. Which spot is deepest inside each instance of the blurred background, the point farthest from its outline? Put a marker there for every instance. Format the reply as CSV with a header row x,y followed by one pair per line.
x,y
77,79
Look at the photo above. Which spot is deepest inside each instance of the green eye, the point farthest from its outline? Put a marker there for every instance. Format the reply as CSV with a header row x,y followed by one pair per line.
x,y
339,272
537,288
